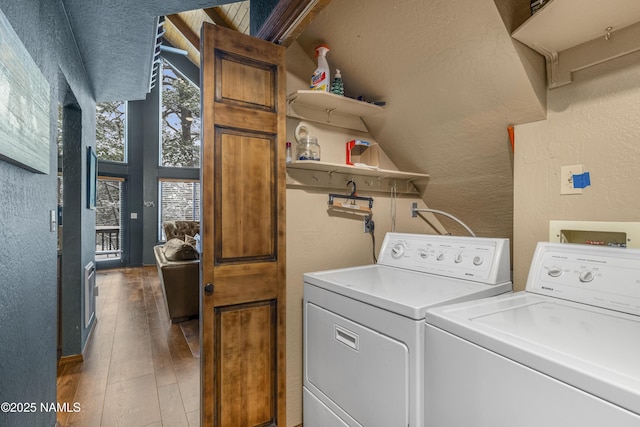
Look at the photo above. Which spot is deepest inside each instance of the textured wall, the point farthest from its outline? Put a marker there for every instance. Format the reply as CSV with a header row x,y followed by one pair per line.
x,y
592,121
453,82
28,255
321,240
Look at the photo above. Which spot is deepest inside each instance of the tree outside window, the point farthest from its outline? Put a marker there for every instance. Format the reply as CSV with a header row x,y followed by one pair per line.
x,y
111,131
180,120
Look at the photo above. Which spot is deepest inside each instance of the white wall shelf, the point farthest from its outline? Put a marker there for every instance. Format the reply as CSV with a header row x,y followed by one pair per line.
x,y
309,173
328,108
572,34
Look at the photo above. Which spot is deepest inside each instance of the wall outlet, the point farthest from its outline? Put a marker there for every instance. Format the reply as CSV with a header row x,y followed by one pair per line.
x,y
566,179
368,225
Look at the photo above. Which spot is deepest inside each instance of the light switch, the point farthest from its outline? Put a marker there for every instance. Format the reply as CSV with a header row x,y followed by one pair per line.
x,y
566,179
53,221
134,215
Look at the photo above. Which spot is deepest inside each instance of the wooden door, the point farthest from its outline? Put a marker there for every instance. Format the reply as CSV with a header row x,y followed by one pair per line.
x,y
243,230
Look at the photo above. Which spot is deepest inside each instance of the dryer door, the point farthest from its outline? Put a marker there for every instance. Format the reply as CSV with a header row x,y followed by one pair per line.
x,y
357,369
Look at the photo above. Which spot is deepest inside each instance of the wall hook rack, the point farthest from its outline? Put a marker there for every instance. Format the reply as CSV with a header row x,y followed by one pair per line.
x,y
351,200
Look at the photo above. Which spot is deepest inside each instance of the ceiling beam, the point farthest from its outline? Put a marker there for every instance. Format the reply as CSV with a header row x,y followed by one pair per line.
x,y
185,30
216,17
289,19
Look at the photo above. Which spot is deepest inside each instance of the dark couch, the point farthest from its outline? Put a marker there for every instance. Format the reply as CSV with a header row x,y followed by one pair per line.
x,y
179,270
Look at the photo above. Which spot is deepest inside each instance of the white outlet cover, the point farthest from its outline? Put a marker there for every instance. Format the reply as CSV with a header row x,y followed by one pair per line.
x,y
566,179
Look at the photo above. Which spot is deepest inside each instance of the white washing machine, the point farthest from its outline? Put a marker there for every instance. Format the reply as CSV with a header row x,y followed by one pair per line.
x,y
364,326
565,352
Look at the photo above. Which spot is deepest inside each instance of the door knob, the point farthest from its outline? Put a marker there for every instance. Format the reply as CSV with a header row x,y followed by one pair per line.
x,y
208,289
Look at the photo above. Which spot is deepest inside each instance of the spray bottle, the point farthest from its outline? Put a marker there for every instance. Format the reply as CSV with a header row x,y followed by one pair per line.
x,y
320,80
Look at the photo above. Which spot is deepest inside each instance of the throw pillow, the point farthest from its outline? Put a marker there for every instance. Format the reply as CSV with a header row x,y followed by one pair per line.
x,y
178,250
190,240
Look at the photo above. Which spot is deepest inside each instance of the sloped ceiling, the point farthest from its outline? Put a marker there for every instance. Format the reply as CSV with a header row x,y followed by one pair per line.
x,y
453,81
116,41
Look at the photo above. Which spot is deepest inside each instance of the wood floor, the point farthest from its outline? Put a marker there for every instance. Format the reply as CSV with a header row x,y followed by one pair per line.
x,y
138,369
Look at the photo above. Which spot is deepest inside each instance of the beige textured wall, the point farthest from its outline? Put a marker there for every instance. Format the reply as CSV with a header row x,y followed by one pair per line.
x,y
595,121
320,240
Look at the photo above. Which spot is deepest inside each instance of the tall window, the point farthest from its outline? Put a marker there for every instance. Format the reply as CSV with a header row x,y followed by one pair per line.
x,y
180,120
179,200
111,131
109,217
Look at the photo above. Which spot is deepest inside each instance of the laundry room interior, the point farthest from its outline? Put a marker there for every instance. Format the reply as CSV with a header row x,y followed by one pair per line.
x,y
368,178
447,113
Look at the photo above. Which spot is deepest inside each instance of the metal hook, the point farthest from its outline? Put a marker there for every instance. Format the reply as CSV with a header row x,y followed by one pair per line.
x,y
607,34
353,192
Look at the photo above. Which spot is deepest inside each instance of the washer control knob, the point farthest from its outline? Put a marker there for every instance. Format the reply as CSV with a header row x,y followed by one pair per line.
x,y
440,256
586,276
477,260
397,251
423,254
555,272
458,259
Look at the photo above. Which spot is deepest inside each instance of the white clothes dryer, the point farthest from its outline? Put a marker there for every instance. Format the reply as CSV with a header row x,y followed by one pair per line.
x,y
364,326
565,352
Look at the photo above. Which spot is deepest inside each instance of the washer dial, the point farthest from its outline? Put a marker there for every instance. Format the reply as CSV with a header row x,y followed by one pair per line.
x,y
555,272
586,276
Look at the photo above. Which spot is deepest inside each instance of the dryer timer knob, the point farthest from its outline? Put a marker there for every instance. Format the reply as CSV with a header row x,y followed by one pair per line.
x,y
397,251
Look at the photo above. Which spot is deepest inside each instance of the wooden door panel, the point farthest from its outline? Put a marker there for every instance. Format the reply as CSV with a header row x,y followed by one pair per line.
x,y
243,312
249,82
246,364
246,205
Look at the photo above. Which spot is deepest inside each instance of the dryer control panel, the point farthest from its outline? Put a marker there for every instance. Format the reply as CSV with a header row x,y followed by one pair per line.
x,y
601,276
476,259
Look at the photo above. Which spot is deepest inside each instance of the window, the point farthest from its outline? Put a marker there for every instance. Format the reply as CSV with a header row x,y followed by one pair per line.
x,y
180,120
179,200
111,131
109,217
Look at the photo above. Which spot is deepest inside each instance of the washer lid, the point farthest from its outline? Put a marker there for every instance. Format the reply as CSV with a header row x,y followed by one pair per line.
x,y
401,291
594,349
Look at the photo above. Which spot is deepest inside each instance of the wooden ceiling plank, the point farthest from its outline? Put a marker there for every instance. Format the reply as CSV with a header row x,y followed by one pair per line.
x,y
186,30
243,24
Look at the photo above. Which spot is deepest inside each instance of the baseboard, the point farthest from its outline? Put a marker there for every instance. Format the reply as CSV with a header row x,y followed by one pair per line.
x,y
90,335
74,358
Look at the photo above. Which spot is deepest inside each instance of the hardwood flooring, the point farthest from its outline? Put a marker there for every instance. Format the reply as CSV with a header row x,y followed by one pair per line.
x,y
138,369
